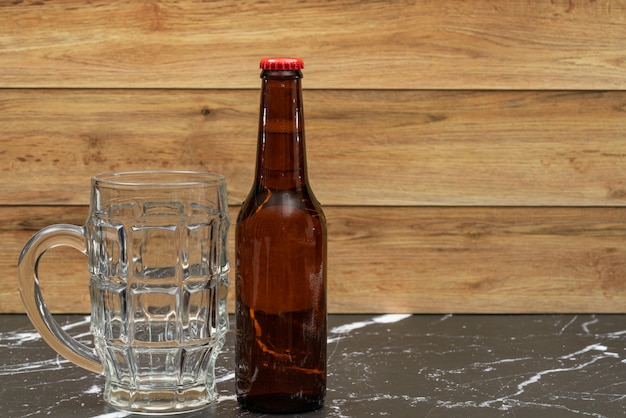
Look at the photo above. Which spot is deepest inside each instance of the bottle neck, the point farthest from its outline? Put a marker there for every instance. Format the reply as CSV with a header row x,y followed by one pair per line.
x,y
281,159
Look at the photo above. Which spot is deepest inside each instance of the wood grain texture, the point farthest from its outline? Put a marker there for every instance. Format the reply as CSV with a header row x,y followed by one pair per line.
x,y
401,44
478,260
438,148
471,154
432,260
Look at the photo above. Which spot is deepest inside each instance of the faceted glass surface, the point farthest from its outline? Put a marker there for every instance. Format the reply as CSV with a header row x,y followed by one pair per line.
x,y
159,281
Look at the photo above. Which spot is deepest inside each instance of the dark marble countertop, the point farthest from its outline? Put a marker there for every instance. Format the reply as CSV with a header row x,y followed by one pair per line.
x,y
385,365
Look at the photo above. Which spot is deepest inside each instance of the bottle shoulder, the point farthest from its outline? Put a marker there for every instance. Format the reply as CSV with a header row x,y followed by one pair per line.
x,y
281,204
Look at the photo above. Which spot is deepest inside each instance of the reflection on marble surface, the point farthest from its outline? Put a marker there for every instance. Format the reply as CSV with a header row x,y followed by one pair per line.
x,y
384,365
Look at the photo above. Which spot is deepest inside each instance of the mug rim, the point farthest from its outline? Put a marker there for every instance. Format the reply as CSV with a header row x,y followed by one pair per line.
x,y
157,178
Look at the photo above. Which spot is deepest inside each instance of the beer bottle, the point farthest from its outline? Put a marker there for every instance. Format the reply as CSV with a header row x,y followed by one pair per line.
x,y
280,259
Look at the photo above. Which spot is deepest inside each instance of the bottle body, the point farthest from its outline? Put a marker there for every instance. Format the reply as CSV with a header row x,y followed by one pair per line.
x,y
281,306
280,259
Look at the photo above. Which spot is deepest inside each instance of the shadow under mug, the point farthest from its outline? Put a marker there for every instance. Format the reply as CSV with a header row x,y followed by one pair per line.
x,y
158,262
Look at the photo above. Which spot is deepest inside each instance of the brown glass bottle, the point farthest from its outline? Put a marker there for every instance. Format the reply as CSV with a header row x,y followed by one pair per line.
x,y
280,259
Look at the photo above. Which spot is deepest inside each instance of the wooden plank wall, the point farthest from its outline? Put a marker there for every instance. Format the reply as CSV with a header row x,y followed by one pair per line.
x,y
471,155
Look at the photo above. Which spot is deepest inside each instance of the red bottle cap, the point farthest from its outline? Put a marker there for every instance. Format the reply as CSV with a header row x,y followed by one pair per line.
x,y
281,64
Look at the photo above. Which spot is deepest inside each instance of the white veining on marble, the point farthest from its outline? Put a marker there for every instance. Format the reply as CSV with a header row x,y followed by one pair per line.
x,y
15,339
447,316
585,325
94,389
508,401
116,414
568,324
18,338
225,398
595,347
11,339
454,372
382,319
537,376
488,366
225,378
33,366
86,320
331,340
51,408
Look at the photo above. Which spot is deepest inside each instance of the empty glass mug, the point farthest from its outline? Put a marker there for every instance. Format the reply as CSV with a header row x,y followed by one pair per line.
x,y
156,243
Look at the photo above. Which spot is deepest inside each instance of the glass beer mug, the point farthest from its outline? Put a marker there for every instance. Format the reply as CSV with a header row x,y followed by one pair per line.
x,y
156,244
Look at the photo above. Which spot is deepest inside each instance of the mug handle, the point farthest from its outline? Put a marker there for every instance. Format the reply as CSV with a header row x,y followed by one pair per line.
x,y
27,268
